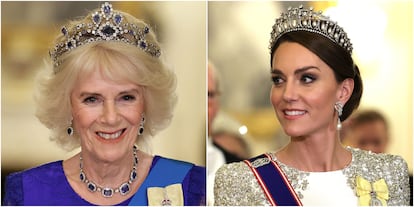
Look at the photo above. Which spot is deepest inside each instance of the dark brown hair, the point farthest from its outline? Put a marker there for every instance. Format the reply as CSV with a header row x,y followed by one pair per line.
x,y
333,55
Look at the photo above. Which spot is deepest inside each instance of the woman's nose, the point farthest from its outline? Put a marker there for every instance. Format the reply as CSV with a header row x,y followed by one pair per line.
x,y
110,114
290,92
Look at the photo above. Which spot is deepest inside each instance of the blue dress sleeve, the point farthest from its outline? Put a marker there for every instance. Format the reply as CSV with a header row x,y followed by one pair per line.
x,y
195,187
13,190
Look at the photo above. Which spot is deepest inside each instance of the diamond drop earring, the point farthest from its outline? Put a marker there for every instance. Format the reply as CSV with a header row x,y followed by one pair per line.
x,y
339,107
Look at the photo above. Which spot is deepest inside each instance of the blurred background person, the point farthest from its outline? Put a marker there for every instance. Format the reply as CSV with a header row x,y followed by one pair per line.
x,y
230,137
215,158
226,142
368,130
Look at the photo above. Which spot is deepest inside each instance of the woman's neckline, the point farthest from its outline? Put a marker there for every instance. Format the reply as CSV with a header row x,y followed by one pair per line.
x,y
155,158
274,158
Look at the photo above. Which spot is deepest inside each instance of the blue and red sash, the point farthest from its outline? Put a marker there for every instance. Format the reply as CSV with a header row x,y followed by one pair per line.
x,y
273,181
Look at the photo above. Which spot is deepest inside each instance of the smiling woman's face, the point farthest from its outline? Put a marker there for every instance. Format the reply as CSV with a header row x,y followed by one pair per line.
x,y
304,91
106,115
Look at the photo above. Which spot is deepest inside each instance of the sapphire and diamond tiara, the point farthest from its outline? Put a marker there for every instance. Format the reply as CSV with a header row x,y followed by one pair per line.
x,y
300,19
104,25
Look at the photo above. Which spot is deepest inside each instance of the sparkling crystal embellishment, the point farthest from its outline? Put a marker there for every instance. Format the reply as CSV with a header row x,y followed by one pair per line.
x,y
300,19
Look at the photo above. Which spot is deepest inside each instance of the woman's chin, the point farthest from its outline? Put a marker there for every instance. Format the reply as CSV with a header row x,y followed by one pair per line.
x,y
294,132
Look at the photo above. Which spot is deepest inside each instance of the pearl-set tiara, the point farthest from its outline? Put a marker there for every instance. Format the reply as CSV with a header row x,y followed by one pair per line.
x,y
300,19
104,25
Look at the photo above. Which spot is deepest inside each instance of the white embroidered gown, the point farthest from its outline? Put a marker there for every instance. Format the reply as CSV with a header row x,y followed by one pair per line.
x,y
236,185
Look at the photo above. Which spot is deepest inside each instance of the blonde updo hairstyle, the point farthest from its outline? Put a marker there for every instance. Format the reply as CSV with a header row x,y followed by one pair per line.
x,y
117,61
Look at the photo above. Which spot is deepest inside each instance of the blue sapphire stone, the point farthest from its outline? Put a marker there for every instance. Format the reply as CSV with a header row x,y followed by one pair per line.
x,y
108,30
92,187
124,189
107,10
107,192
143,45
133,175
64,31
69,130
70,45
96,18
117,19
82,176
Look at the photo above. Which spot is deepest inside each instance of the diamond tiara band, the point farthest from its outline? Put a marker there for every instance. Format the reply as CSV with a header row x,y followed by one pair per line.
x,y
300,19
104,25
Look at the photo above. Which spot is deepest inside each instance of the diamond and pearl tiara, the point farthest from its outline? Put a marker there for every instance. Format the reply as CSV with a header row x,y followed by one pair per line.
x,y
300,19
104,25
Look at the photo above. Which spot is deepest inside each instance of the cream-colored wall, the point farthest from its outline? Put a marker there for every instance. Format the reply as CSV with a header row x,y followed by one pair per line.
x,y
381,32
185,138
29,28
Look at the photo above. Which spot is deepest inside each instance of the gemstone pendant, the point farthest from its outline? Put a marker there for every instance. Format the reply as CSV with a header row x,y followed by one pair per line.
x,y
91,187
133,175
82,176
124,189
70,129
107,192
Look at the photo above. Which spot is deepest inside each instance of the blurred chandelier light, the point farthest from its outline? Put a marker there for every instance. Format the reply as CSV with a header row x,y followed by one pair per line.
x,y
243,130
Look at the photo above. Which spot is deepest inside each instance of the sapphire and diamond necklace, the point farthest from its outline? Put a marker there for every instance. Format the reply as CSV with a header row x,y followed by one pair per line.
x,y
108,192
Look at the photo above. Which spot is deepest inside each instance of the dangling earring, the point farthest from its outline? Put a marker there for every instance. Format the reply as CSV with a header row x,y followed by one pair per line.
x,y
70,130
141,125
339,108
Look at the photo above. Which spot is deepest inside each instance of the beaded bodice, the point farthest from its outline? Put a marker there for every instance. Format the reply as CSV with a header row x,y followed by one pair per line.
x,y
236,185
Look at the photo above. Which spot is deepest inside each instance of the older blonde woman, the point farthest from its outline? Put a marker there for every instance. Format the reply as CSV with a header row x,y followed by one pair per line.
x,y
108,91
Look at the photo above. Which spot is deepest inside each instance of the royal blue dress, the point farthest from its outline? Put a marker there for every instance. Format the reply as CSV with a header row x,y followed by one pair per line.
x,y
48,185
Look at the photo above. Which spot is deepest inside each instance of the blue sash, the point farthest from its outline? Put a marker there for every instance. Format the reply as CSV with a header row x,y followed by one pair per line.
x,y
273,181
165,172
